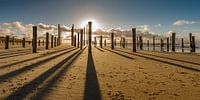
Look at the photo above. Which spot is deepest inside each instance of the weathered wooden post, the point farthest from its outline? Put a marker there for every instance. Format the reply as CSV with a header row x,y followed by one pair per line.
x,y
138,42
72,35
161,45
154,43
105,43
39,43
134,39
23,42
190,40
124,40
84,36
95,42
78,40
81,46
34,39
148,44
59,35
7,42
168,44
193,44
13,40
51,41
173,41
43,43
112,40
75,40
141,44
90,36
47,40
101,41
182,44
55,42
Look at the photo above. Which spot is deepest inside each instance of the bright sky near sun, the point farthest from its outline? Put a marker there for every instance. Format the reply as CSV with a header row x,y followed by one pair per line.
x,y
159,16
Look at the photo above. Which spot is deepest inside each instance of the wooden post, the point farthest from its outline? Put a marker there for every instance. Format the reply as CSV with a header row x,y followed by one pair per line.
x,y
81,46
34,39
39,43
182,44
138,42
124,40
190,40
13,40
90,36
95,41
193,44
51,41
168,44
7,42
112,40
55,42
84,36
101,41
43,42
141,44
23,43
148,44
173,41
154,43
72,35
59,35
47,40
105,43
75,40
161,45
78,40
134,39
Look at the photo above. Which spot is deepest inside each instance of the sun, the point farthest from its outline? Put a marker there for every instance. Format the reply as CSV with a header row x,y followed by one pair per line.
x,y
95,24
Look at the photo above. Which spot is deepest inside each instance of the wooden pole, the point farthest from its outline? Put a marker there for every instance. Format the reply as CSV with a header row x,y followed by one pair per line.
x,y
47,40
168,44
90,36
173,41
23,43
59,35
112,40
148,44
75,40
154,43
55,42
134,39
95,41
72,35
51,41
161,45
34,39
7,42
141,44
78,40
182,44
39,43
84,36
13,40
105,43
81,46
101,41
190,40
43,42
124,40
193,44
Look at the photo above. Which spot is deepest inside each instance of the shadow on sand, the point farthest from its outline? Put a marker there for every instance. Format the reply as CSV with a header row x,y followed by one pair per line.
x,y
92,89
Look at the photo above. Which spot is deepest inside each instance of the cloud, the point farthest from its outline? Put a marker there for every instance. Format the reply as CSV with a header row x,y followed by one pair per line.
x,y
4,32
158,25
183,22
17,25
143,28
46,27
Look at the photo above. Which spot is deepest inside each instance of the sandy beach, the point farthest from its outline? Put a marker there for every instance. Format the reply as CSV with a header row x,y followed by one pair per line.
x,y
69,73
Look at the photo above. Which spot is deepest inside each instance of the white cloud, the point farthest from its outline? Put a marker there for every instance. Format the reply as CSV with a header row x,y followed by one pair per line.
x,y
183,22
143,28
158,25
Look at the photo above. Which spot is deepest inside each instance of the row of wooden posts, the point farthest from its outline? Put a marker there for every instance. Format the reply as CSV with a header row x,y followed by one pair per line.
x,y
138,42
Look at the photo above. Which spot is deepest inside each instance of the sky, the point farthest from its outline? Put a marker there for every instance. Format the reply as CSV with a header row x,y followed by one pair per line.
x,y
155,16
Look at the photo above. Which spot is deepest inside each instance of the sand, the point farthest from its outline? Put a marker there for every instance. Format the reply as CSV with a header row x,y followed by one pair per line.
x,y
68,73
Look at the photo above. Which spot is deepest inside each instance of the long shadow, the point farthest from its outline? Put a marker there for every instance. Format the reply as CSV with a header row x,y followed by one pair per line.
x,y
99,49
7,51
44,90
169,58
47,54
119,54
170,63
29,87
29,67
92,89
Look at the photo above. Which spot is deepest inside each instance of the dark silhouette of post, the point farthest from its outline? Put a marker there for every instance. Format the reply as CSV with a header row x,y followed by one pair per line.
x,y
43,43
51,41
138,42
161,45
72,35
90,36
124,40
190,41
95,41
105,43
84,36
173,41
7,42
75,40
47,40
13,40
78,40
182,44
34,39
59,35
154,43
134,39
168,44
55,42
23,42
81,45
39,43
112,40
193,44
141,44
101,41
148,44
